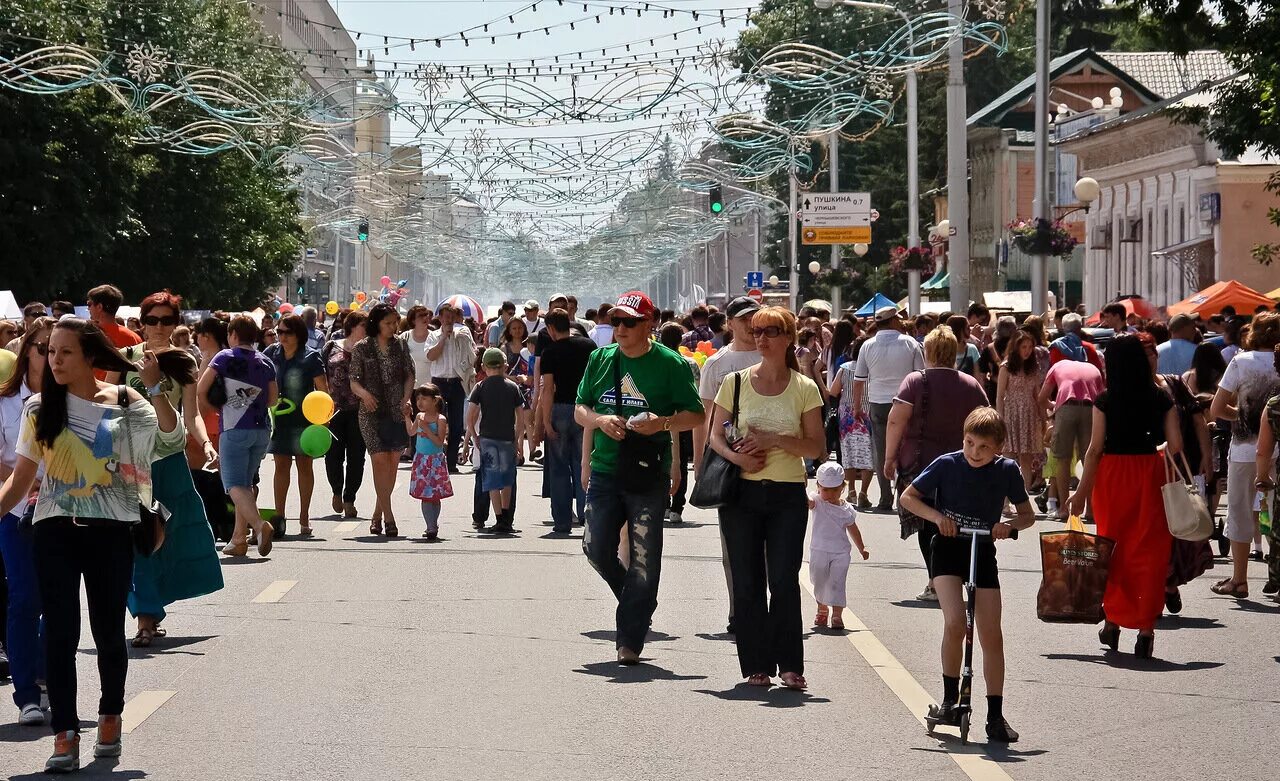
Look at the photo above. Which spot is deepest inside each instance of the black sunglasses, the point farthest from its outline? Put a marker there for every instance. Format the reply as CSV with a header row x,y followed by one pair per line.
x,y
166,320
41,347
39,314
629,322
771,331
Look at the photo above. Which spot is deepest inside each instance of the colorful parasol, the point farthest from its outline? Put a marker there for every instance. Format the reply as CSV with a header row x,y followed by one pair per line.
x,y
469,306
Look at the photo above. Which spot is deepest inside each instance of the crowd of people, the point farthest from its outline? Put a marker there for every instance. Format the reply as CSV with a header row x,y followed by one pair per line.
x,y
964,421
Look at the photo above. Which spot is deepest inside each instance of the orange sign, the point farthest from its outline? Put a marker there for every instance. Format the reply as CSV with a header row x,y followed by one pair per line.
x,y
860,234
755,294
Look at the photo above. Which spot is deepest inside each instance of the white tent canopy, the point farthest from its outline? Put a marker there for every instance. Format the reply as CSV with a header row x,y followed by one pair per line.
x,y
9,309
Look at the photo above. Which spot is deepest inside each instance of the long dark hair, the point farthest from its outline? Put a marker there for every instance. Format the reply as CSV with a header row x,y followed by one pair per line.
x,y
11,386
51,417
1013,357
1208,367
1131,383
841,338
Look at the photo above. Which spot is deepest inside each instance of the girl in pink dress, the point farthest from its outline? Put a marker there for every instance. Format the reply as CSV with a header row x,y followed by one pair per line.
x,y
430,476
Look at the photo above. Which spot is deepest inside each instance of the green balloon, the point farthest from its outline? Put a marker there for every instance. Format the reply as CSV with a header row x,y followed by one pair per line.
x,y
315,440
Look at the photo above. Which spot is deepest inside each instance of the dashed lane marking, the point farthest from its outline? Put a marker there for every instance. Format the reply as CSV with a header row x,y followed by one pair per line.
x,y
275,591
346,527
141,707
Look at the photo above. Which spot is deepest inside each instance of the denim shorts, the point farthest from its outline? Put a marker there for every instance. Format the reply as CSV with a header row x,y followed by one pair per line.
x,y
497,464
240,453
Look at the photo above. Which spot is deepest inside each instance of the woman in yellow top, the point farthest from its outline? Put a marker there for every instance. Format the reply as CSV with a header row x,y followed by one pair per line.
x,y
779,424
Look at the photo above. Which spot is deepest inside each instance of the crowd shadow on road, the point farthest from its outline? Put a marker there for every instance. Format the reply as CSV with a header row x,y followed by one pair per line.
x,y
16,733
1250,606
766,696
236,561
915,603
718,636
1168,623
996,752
92,768
638,673
612,636
1124,661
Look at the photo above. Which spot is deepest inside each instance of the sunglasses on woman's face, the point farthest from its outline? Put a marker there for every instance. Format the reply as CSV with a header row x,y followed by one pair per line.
x,y
627,322
42,348
166,320
770,331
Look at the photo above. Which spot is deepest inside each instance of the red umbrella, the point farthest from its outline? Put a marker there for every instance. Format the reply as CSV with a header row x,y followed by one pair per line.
x,y
1133,305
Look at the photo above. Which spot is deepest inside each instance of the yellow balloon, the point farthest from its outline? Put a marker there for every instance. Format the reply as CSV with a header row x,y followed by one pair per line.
x,y
331,308
317,407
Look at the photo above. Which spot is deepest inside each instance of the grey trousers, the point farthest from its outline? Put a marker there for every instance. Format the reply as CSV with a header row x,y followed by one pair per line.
x,y
880,426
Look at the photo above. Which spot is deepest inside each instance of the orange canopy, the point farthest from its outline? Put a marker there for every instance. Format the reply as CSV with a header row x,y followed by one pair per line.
x,y
1229,292
1133,305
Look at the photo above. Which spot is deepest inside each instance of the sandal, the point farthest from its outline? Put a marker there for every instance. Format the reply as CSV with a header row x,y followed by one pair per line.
x,y
1229,588
375,527
143,638
794,681
392,531
837,623
820,620
304,530
759,679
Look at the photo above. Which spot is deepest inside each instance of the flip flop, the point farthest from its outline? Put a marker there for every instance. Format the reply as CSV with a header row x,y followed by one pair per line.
x,y
794,681
759,679
143,638
1228,588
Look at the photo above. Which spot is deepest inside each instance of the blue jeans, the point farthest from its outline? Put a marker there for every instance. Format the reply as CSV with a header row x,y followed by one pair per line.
x,y
564,465
608,508
25,639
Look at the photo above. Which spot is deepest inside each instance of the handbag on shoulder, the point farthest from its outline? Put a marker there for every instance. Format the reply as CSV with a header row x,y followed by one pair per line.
x,y
1184,508
717,484
148,532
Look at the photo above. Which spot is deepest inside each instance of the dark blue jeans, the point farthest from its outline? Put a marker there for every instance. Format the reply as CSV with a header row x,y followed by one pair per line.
x,y
764,534
481,504
608,509
24,639
564,465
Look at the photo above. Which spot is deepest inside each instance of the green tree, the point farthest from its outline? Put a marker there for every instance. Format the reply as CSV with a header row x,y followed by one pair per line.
x,y
94,206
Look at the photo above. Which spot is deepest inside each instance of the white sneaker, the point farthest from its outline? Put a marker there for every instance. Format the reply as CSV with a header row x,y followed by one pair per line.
x,y
1053,507
674,517
31,715
928,595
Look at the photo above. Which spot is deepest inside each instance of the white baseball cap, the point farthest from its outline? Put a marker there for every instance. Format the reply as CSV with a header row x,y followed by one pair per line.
x,y
830,475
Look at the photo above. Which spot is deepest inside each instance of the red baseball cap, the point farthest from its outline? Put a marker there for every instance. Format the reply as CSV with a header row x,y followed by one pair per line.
x,y
635,304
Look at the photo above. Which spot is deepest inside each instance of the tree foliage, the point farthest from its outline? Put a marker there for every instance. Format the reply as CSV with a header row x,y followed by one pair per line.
x,y
1245,112
90,205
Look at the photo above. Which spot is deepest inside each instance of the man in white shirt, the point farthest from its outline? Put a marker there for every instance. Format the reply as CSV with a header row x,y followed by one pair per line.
x,y
531,319
883,362
602,334
452,353
740,354
419,318
505,314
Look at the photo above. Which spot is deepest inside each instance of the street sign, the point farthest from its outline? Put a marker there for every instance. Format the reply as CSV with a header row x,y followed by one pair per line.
x,y
755,279
755,294
856,234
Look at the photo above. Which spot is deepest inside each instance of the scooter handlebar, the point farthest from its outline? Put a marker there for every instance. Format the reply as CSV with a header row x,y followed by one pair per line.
x,y
983,532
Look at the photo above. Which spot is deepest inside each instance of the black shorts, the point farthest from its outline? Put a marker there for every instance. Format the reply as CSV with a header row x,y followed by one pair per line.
x,y
950,556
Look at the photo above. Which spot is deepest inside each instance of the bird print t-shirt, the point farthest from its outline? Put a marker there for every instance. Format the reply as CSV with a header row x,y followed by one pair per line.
x,y
99,466
247,374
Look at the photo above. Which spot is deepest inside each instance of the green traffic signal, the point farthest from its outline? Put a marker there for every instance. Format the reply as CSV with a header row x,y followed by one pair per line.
x,y
715,199
362,233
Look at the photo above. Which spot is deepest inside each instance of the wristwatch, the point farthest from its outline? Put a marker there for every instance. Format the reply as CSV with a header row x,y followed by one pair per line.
x,y
155,390
666,423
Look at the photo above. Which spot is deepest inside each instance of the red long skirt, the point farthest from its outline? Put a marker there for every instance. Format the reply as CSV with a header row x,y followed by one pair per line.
x,y
1128,509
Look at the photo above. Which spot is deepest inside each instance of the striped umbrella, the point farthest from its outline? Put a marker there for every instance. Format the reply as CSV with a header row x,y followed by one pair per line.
x,y
469,306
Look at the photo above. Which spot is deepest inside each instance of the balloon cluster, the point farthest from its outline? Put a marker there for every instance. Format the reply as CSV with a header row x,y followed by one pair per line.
x,y
700,354
317,408
392,294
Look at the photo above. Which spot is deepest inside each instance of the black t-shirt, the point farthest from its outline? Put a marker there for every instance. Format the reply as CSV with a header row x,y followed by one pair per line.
x,y
972,497
498,399
1134,428
566,360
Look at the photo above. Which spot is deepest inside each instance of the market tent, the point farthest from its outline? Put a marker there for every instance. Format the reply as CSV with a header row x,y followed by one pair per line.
x,y
1228,292
9,309
1274,294
1132,305
878,301
941,280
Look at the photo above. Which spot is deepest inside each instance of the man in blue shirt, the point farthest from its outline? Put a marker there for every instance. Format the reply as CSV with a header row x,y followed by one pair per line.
x,y
1174,356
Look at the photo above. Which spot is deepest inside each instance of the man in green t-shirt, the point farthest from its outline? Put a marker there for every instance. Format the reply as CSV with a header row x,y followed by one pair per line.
x,y
635,377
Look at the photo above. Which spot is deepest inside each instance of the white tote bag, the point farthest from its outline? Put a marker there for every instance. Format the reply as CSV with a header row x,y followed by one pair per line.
x,y
1184,507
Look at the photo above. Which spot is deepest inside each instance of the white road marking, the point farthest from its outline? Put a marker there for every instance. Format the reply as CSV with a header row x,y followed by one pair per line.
x,y
141,707
275,591
970,759
346,527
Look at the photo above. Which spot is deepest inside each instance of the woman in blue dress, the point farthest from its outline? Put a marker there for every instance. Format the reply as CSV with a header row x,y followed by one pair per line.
x,y
187,565
299,371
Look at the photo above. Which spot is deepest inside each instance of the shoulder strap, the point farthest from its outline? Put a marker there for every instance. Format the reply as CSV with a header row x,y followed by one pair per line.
x,y
737,391
617,382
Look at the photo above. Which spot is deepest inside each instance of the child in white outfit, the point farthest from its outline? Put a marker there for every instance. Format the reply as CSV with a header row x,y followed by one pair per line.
x,y
834,525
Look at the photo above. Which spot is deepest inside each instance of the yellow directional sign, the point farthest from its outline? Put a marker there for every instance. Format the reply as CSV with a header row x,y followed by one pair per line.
x,y
859,234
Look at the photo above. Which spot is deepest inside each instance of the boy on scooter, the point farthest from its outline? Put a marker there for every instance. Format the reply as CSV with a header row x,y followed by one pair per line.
x,y
968,489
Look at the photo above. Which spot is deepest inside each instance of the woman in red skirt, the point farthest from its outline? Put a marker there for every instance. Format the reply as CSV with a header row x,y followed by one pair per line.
x,y
1123,471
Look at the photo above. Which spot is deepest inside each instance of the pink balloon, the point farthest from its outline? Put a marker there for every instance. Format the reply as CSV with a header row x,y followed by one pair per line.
x,y
386,281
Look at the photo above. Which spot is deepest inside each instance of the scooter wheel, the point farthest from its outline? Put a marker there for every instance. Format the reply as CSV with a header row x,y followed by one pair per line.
x,y
964,728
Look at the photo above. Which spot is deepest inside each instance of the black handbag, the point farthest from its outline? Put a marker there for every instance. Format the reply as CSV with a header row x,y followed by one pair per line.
x,y
148,532
639,457
718,483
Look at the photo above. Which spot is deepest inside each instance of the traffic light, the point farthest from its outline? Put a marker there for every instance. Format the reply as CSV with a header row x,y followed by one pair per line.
x,y
302,286
715,199
362,233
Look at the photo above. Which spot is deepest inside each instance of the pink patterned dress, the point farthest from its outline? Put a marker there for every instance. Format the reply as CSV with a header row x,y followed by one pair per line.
x,y
1026,431
429,481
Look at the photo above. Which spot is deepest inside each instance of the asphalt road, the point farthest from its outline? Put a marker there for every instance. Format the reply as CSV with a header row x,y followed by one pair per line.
x,y
348,656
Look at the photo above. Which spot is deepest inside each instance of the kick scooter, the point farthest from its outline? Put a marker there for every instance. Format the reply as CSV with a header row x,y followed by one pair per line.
x,y
958,715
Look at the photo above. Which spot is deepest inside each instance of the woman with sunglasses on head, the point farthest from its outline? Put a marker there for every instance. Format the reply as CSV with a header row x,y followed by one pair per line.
x,y
186,566
22,641
96,442
299,371
779,424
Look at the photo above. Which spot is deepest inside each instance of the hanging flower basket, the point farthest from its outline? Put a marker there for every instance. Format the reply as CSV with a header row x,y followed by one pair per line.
x,y
903,259
1041,237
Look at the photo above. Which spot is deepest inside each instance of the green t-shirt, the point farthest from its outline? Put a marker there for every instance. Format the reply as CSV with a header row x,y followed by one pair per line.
x,y
658,381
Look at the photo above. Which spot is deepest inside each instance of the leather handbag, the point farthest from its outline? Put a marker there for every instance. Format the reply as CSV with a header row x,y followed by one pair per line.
x,y
148,532
720,478
1184,508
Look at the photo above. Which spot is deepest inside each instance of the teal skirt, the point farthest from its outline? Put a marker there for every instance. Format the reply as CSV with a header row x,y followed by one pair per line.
x,y
187,565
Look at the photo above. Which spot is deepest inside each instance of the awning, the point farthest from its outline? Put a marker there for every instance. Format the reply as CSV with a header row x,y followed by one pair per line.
x,y
1194,258
1211,300
941,280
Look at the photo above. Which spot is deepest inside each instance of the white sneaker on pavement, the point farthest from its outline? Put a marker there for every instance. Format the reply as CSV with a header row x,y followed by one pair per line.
x,y
31,715
928,595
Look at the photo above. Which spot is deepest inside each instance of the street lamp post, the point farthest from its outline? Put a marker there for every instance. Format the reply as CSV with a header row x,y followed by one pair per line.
x,y
957,166
913,126
1040,207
